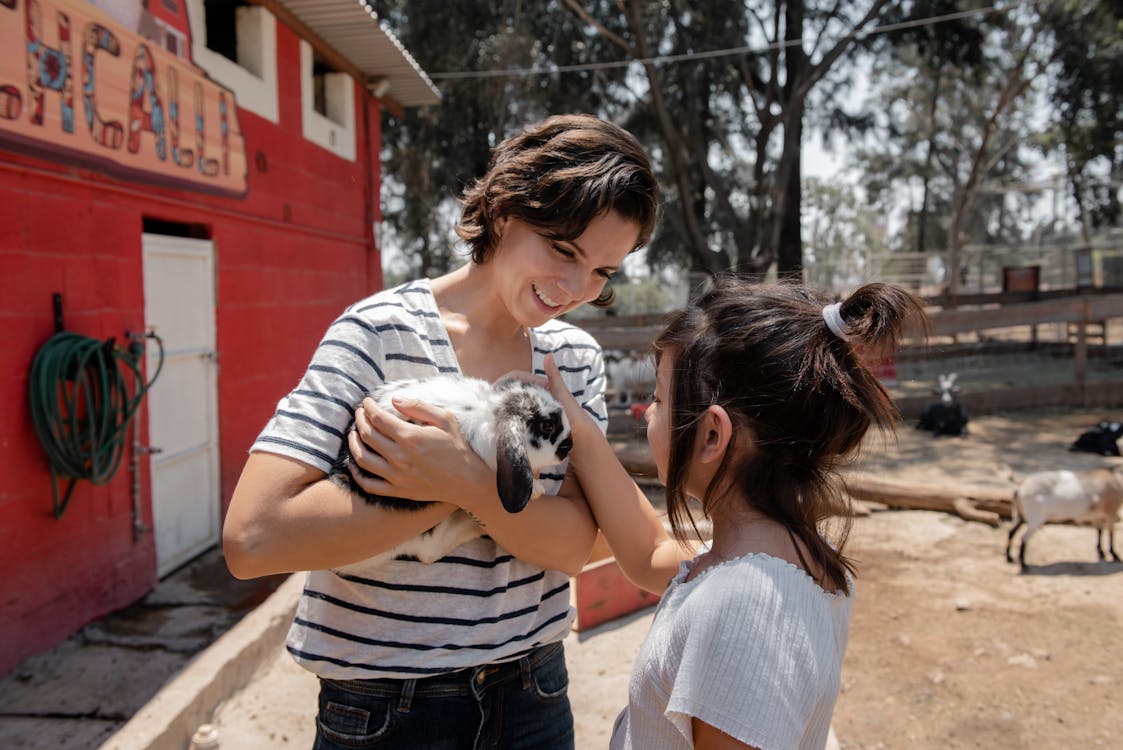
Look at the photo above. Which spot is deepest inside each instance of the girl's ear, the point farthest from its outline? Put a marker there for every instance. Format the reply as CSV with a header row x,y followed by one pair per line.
x,y
500,226
715,433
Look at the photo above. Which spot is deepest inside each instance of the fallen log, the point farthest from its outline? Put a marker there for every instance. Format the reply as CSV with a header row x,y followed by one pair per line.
x,y
968,511
981,503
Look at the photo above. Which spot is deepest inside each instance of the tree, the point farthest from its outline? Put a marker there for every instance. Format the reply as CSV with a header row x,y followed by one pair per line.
x,y
433,153
953,122
701,112
918,64
844,235
1087,92
1023,66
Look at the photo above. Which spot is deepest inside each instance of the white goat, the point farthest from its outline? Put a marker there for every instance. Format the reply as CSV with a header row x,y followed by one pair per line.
x,y
1093,497
631,376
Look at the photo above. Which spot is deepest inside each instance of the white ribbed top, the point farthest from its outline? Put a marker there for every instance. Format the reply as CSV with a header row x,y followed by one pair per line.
x,y
751,646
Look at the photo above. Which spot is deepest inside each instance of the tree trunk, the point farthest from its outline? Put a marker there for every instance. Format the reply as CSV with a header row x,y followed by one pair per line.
x,y
922,219
699,251
786,211
789,246
755,256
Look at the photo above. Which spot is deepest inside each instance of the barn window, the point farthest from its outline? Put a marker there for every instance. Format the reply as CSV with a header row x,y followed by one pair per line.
x,y
328,104
236,43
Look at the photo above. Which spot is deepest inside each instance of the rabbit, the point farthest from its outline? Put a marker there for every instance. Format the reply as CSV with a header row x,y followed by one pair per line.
x,y
517,428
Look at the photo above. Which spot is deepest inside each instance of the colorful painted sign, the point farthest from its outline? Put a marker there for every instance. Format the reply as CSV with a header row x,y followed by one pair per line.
x,y
78,85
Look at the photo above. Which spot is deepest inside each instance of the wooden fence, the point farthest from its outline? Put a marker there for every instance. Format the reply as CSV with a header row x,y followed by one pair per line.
x,y
1089,344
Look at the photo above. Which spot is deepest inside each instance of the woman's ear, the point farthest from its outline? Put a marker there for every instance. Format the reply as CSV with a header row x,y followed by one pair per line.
x,y
715,433
499,225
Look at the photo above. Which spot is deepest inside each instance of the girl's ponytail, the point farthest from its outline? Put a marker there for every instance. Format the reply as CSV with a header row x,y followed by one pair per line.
x,y
791,370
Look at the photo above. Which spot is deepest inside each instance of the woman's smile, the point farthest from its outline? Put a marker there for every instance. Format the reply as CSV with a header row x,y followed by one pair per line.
x,y
545,299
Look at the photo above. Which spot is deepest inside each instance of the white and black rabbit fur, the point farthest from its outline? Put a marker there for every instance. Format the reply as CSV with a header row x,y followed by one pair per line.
x,y
516,427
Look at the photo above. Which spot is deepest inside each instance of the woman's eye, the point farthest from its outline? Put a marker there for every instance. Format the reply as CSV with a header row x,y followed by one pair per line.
x,y
563,252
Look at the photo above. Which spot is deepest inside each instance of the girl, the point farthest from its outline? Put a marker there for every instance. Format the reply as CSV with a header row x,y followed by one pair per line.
x,y
759,396
465,650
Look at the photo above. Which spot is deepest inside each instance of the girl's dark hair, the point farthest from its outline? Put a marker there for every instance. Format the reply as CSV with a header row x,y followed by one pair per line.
x,y
800,399
557,176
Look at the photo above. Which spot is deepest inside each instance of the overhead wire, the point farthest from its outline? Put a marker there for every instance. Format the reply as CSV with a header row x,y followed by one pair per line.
x,y
704,55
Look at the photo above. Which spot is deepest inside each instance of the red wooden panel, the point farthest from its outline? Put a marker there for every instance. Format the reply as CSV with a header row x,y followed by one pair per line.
x,y
603,593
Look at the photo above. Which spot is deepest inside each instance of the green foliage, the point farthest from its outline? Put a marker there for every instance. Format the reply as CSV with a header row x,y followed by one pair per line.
x,y
936,90
844,234
1088,98
727,130
643,297
712,124
944,133
434,152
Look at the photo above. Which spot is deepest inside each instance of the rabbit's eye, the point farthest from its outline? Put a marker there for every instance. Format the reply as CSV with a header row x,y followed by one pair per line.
x,y
544,427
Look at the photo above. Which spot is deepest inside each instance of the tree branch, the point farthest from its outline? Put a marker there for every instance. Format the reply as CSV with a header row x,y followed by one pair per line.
x,y
600,27
818,70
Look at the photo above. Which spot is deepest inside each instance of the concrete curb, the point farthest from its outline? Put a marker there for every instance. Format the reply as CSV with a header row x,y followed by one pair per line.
x,y
168,720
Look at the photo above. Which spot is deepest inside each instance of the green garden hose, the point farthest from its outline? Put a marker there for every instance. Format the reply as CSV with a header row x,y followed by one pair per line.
x,y
78,391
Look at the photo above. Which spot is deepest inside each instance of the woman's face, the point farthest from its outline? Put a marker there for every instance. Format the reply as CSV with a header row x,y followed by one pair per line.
x,y
658,416
540,279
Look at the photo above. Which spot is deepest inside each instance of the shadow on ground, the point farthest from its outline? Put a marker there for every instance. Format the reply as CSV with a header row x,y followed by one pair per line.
x,y
79,693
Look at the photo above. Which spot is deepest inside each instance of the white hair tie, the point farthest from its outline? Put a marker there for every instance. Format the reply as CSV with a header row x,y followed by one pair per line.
x,y
834,320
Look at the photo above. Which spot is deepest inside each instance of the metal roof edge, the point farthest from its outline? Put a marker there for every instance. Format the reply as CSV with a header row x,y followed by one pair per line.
x,y
378,53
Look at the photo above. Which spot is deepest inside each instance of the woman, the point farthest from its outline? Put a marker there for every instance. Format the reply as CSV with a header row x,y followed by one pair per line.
x,y
467,649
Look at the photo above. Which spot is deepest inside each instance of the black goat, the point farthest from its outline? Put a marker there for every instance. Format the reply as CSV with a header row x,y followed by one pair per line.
x,y
1100,439
946,416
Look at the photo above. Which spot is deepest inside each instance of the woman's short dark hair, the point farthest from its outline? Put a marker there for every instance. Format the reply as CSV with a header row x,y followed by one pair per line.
x,y
800,398
558,175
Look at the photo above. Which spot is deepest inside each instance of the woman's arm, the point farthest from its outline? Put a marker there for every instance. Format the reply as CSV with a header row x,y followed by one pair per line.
x,y
428,457
285,516
635,533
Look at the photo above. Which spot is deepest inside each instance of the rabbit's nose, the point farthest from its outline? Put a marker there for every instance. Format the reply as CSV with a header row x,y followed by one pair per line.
x,y
564,447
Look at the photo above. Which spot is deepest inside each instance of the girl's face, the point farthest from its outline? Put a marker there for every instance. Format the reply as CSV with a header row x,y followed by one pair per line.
x,y
540,279
658,416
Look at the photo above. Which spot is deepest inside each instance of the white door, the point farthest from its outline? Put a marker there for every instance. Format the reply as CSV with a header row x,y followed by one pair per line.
x,y
179,306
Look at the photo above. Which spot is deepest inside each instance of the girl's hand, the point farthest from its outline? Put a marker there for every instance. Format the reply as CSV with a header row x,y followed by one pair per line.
x,y
429,460
580,421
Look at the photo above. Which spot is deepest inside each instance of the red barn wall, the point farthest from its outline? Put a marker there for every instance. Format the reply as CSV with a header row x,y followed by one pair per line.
x,y
289,256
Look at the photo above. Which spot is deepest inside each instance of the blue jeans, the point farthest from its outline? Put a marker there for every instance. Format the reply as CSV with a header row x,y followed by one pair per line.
x,y
517,705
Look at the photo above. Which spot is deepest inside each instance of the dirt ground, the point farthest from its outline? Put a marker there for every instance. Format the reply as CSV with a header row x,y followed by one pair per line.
x,y
951,646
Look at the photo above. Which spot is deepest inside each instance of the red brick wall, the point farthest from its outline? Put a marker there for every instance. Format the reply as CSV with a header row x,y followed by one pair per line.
x,y
289,256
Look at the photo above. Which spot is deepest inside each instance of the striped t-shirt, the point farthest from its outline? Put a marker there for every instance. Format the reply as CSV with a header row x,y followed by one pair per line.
x,y
477,605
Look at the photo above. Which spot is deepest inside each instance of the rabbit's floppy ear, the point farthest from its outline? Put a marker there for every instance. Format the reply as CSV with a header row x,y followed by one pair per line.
x,y
513,476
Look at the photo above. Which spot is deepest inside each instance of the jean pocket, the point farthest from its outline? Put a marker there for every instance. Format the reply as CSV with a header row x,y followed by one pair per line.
x,y
350,720
551,678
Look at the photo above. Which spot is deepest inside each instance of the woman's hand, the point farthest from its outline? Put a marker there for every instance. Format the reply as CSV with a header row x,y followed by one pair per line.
x,y
433,461
427,458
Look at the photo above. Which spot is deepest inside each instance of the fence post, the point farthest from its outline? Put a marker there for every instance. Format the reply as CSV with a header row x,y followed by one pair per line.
x,y
1080,361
